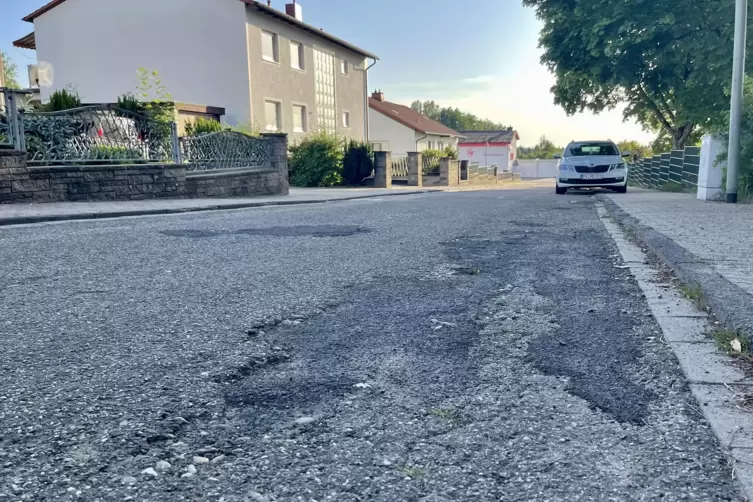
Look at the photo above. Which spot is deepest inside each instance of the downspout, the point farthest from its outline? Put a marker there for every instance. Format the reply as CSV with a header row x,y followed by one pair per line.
x,y
426,135
366,101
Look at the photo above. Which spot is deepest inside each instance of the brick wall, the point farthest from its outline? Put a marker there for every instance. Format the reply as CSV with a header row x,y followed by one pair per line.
x,y
20,183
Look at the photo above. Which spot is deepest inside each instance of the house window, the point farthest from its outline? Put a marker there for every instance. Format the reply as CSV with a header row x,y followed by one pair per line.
x,y
441,145
269,50
272,116
430,145
346,119
299,118
344,69
296,56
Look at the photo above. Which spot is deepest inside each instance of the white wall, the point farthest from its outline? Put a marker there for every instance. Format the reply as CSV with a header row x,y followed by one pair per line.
x,y
198,46
382,129
422,141
486,155
537,168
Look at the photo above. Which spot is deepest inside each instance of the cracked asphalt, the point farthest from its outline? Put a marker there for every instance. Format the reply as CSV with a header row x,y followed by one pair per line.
x,y
475,346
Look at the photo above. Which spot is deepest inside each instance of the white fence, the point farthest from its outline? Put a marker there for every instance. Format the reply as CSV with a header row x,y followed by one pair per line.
x,y
537,168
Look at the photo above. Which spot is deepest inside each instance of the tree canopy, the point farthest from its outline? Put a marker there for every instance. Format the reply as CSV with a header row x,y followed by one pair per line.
x,y
544,149
454,118
667,60
10,71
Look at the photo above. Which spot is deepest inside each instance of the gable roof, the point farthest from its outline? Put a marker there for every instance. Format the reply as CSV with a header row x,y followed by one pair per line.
x,y
411,118
260,7
503,136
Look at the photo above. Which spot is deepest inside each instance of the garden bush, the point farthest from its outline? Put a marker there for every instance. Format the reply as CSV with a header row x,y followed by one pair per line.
x,y
62,99
357,162
316,161
203,125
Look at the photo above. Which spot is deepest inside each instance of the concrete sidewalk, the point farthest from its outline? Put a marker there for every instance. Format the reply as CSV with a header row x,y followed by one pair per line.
x,y
16,214
706,243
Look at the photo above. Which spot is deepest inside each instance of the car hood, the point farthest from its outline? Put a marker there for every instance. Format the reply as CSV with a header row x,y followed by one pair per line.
x,y
595,160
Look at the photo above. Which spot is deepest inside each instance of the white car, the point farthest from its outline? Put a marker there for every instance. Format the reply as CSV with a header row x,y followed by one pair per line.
x,y
592,164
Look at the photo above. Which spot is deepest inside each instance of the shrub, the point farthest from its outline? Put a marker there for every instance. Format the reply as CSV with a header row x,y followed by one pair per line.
x,y
357,162
431,161
316,161
203,125
106,154
63,99
450,152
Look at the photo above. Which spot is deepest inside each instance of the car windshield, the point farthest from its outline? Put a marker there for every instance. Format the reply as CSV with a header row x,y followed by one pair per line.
x,y
589,149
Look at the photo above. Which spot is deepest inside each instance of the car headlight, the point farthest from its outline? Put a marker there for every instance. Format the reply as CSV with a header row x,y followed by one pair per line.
x,y
566,167
621,165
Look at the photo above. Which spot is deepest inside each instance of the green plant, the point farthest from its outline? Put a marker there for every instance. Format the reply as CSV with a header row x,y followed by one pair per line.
x,y
130,103
316,161
63,99
450,152
724,339
158,102
672,186
357,162
431,160
251,129
10,71
203,125
107,154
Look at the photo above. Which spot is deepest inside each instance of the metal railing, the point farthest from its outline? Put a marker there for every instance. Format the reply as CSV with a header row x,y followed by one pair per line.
x,y
479,172
223,150
676,170
107,134
95,134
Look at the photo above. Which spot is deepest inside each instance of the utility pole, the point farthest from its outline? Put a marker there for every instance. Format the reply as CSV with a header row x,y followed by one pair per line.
x,y
736,105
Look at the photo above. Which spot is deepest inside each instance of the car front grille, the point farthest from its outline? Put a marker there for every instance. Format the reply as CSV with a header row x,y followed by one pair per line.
x,y
591,169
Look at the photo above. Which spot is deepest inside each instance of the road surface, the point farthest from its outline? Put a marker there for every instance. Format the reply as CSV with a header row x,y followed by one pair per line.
x,y
475,346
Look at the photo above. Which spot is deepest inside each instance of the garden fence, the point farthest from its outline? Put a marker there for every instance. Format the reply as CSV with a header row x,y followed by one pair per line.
x,y
676,170
107,134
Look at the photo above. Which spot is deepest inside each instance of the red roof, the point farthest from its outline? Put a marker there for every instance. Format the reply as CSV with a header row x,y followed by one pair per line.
x,y
411,118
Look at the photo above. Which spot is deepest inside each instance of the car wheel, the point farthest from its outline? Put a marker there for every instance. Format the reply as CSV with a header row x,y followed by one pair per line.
x,y
621,189
560,191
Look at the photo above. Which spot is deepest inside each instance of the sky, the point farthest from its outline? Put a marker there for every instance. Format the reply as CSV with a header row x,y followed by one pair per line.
x,y
478,55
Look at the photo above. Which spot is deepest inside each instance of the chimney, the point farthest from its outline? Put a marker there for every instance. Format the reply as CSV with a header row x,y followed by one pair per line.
x,y
294,10
378,95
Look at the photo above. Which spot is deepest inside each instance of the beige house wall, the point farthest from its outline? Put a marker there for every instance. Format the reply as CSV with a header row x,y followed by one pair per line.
x,y
289,86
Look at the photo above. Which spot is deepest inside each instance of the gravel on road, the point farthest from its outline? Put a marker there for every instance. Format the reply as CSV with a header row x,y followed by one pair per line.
x,y
447,347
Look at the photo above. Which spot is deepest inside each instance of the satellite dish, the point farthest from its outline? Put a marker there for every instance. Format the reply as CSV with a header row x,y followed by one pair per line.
x,y
45,74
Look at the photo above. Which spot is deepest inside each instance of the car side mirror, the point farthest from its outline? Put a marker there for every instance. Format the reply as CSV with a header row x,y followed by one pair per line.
x,y
627,154
557,156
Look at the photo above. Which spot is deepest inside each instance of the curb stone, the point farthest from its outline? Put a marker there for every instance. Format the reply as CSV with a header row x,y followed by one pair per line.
x,y
728,302
26,220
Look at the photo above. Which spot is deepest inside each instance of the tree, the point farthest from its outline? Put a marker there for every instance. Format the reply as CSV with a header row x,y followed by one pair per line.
x,y
635,148
667,60
454,118
544,149
10,71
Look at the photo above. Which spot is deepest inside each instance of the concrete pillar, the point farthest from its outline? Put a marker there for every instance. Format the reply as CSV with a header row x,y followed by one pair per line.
x,y
415,169
710,172
382,170
449,173
278,157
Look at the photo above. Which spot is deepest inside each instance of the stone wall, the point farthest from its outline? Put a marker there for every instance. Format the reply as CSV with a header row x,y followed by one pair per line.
x,y
240,183
20,183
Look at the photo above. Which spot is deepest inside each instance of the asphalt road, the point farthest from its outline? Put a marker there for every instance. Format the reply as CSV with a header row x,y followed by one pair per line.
x,y
476,346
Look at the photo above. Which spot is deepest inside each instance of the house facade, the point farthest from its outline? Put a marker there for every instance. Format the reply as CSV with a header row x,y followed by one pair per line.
x,y
489,148
399,129
264,67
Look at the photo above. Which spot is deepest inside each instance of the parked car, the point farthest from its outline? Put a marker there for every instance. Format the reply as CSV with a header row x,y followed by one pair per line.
x,y
592,164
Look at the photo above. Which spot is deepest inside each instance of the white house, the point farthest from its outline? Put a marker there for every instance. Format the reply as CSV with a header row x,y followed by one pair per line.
x,y
489,148
261,65
400,129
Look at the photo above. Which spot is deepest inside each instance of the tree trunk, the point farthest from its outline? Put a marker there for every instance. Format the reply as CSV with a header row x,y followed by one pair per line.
x,y
681,135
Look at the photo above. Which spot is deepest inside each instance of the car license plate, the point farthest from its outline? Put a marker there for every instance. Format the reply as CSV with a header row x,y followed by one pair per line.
x,y
592,176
